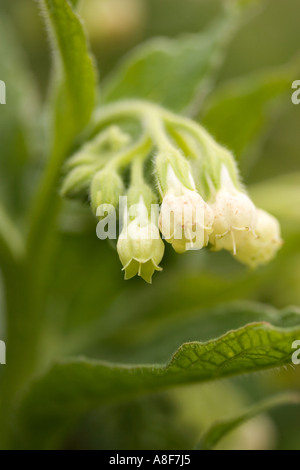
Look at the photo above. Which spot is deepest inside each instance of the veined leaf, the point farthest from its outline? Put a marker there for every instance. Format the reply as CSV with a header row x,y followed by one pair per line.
x,y
154,339
238,112
73,387
175,73
219,430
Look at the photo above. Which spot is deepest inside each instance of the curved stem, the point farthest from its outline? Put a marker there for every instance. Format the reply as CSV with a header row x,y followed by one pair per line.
x,y
184,141
124,157
153,117
212,152
155,126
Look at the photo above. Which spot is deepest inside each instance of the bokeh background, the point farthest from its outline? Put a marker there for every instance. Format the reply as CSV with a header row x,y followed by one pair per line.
x,y
89,308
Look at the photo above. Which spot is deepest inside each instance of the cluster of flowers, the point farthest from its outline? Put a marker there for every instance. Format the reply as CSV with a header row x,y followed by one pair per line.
x,y
203,202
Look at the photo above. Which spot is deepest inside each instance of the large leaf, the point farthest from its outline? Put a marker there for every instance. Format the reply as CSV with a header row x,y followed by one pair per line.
x,y
219,430
154,341
197,309
73,387
176,73
238,112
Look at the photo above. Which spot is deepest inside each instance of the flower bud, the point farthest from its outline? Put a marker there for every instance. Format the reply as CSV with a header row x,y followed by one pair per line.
x,y
77,181
233,212
262,248
97,151
140,249
185,219
141,198
106,188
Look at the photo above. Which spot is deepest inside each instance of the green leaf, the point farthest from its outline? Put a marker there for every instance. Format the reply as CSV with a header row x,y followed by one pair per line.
x,y
239,111
72,105
153,339
73,387
175,73
76,97
219,430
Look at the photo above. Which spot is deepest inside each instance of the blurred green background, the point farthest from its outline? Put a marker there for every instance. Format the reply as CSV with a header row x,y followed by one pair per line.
x,y
89,308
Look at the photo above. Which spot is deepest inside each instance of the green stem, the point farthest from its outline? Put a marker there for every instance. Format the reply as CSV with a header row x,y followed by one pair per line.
x,y
184,141
12,253
125,157
23,293
153,117
137,171
150,115
156,128
211,152
22,333
25,287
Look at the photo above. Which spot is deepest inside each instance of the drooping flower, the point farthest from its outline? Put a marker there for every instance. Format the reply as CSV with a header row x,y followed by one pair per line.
x,y
140,249
262,248
250,234
202,199
185,218
234,212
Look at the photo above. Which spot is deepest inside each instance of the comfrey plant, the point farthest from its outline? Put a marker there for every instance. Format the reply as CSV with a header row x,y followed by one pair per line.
x,y
91,361
175,162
